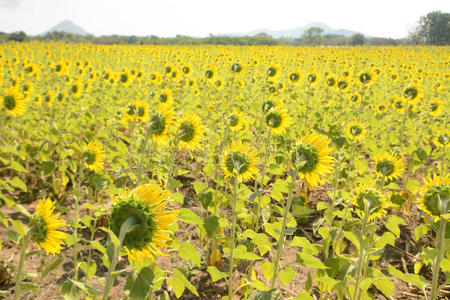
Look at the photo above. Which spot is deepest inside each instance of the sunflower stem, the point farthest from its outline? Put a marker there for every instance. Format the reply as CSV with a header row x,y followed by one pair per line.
x,y
437,261
126,227
362,253
23,252
77,218
266,156
283,227
232,241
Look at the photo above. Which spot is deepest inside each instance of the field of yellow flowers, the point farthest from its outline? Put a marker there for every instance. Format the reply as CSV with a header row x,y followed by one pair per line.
x,y
222,172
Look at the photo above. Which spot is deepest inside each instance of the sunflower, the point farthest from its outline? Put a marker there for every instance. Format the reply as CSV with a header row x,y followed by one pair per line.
x,y
48,98
13,102
388,166
93,156
294,77
354,98
43,227
190,131
186,69
165,96
160,122
411,92
241,159
330,80
313,152
382,107
442,139
278,120
142,110
236,121
125,78
145,204
366,77
435,195
435,107
343,84
312,78
273,72
375,201
356,130
399,104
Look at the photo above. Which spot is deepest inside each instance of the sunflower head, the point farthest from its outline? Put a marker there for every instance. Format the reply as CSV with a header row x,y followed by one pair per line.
x,y
354,98
13,102
160,123
278,120
190,131
294,77
356,130
144,206
311,157
435,107
236,68
239,160
369,200
442,139
366,77
411,92
343,84
435,195
93,156
43,227
388,166
236,121
382,107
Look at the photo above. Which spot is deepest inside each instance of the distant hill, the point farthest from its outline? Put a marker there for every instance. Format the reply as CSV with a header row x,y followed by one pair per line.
x,y
67,26
296,32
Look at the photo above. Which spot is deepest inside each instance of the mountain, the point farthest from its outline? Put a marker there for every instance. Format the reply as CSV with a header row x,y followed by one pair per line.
x,y
296,32
67,26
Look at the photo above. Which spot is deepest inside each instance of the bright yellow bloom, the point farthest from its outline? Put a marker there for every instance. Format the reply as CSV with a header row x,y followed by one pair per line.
x,y
93,156
240,158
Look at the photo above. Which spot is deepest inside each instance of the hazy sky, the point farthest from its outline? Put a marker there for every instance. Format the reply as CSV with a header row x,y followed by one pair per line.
x,y
388,18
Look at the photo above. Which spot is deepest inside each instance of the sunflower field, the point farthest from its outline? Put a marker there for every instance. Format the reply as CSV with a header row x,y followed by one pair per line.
x,y
224,172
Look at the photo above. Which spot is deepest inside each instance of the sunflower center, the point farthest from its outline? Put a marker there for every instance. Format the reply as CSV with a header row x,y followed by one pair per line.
x,y
209,74
142,234
308,154
311,78
342,84
236,68
38,229
238,161
10,102
233,120
158,124
268,105
385,167
331,81
354,98
433,106
410,92
89,157
399,104
444,139
373,199
74,88
365,77
294,77
355,130
381,107
274,119
187,131
186,70
131,110
141,111
123,78
432,202
271,71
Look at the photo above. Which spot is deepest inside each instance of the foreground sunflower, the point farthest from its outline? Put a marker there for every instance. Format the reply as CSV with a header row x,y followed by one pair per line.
x,y
367,195
236,121
356,130
12,102
313,151
241,159
93,156
388,166
190,131
160,122
435,195
145,204
278,120
43,227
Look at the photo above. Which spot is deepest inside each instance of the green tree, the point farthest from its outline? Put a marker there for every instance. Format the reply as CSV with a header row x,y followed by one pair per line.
x,y
357,39
433,29
312,36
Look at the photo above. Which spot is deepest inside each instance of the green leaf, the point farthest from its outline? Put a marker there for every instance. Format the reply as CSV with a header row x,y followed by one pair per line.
x,y
259,285
188,252
189,286
272,294
302,242
177,197
48,167
210,224
19,227
216,274
50,267
413,186
177,285
199,186
420,231
70,291
286,276
13,236
188,216
16,182
414,279
303,296
29,286
241,253
142,285
89,268
205,198
22,210
310,261
267,269
392,224
18,167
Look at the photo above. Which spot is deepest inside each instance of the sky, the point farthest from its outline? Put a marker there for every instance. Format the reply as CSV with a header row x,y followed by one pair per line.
x,y
199,18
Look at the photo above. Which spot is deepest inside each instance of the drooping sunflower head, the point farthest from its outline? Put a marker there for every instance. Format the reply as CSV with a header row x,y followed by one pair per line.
x,y
93,156
240,159
388,166
356,130
160,121
13,102
369,199
311,155
43,227
435,195
278,120
442,139
144,208
190,131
